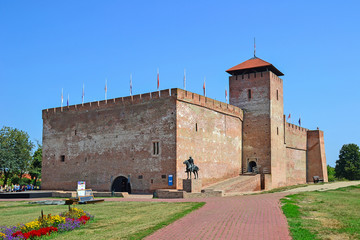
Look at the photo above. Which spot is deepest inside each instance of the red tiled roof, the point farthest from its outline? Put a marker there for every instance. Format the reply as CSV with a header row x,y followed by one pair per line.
x,y
254,63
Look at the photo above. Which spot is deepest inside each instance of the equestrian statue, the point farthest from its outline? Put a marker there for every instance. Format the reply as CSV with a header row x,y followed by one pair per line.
x,y
191,168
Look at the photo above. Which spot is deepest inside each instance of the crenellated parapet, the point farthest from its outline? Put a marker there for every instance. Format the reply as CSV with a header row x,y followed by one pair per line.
x,y
209,103
294,127
174,93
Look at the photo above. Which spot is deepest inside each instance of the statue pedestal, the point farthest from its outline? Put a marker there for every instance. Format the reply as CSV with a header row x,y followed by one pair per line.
x,y
192,185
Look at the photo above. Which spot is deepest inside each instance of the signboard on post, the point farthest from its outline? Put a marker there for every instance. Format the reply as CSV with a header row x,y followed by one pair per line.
x,y
170,180
81,185
81,188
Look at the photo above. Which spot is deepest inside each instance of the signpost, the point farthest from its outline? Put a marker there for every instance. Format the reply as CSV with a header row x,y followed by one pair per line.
x,y
81,188
83,195
81,185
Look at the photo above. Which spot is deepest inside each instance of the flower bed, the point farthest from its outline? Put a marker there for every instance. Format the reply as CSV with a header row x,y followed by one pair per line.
x,y
45,225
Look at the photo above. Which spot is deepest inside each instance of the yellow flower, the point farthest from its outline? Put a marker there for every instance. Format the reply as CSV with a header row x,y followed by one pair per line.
x,y
2,235
34,225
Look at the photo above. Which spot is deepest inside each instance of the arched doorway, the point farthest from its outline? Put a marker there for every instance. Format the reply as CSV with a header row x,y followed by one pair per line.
x,y
251,166
121,184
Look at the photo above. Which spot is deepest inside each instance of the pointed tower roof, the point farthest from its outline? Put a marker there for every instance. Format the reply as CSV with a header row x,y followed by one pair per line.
x,y
254,64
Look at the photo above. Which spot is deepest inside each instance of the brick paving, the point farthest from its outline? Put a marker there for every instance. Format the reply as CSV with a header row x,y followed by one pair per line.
x,y
240,217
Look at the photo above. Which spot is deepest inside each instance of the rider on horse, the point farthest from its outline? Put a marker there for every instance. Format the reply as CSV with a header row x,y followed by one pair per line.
x,y
191,161
191,168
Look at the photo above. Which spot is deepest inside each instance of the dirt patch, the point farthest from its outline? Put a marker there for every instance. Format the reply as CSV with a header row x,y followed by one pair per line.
x,y
335,237
325,221
330,223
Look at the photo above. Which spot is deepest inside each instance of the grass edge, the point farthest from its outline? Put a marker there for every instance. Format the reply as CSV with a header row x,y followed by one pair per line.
x,y
151,230
293,217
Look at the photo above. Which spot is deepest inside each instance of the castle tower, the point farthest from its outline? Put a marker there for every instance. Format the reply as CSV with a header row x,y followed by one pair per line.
x,y
256,88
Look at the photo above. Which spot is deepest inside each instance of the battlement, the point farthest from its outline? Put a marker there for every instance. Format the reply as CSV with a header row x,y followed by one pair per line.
x,y
174,93
256,75
295,127
209,103
276,77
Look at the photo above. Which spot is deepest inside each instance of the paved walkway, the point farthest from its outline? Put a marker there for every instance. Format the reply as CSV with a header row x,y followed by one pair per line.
x,y
323,187
240,217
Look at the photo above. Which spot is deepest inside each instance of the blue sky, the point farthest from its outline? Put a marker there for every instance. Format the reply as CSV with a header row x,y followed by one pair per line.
x,y
49,45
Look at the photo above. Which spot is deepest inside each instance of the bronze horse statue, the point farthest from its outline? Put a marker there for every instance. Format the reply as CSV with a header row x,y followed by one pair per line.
x,y
191,168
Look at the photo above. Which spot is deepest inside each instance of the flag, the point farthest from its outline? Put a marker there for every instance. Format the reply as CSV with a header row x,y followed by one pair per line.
x,y
300,122
226,97
289,117
184,79
158,80
204,87
68,101
105,88
62,96
83,94
130,84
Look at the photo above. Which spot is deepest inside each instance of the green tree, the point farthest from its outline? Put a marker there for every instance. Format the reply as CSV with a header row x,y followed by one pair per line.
x,y
348,165
331,173
35,166
15,152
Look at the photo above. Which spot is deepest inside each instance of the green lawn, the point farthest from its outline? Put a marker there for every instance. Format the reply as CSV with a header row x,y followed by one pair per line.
x,y
113,220
333,214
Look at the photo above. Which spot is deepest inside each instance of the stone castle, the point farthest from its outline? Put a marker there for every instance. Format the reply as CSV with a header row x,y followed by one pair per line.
x,y
139,143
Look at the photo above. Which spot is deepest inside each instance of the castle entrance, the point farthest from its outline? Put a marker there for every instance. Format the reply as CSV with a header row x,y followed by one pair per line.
x,y
121,184
251,166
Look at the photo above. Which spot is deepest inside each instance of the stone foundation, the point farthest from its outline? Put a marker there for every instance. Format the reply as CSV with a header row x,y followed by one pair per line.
x,y
192,185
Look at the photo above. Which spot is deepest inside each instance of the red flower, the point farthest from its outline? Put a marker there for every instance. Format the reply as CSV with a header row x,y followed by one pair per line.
x,y
83,219
35,233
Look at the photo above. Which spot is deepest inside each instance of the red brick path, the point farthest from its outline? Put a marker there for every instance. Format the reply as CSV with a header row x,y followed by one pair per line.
x,y
240,217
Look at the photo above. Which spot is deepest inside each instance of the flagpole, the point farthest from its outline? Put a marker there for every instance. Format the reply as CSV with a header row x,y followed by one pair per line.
x,y
130,84
158,80
105,90
68,101
62,98
83,94
226,96
184,79
254,48
204,86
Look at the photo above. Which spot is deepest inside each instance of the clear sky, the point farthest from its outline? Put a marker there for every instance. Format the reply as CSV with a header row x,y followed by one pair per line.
x,y
49,45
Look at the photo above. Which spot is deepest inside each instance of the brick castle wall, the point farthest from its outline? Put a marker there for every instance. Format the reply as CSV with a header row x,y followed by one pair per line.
x,y
316,156
103,140
296,140
211,137
277,133
256,124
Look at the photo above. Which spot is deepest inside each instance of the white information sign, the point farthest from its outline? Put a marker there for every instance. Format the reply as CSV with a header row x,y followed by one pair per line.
x,y
81,185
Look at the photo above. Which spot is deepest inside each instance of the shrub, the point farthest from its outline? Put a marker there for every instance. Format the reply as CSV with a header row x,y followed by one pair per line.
x,y
24,181
331,173
15,180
